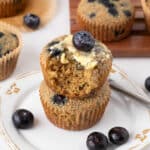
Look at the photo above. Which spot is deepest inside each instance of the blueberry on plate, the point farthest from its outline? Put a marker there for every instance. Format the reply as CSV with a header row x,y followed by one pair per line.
x,y
23,119
118,135
32,21
147,83
83,41
97,141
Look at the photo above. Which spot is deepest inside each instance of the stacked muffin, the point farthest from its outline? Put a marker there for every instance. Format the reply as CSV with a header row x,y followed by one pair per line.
x,y
75,91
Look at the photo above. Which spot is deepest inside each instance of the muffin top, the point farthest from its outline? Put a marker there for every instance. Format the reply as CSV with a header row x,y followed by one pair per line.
x,y
106,11
8,42
80,47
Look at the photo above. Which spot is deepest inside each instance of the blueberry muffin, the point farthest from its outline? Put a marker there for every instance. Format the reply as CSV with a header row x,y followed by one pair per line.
x,y
74,114
10,45
75,65
10,8
146,9
107,20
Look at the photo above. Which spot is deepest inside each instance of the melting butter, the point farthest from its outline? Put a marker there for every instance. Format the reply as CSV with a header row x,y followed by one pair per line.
x,y
85,59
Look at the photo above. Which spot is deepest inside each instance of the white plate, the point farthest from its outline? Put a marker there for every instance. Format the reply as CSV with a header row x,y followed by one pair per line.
x,y
121,111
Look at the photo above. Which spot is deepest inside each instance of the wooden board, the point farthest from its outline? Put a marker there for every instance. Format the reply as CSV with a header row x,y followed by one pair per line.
x,y
136,45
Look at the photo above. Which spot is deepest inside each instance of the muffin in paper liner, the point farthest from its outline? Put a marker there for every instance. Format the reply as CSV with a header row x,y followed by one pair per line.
x,y
75,114
8,61
95,18
68,71
10,8
30,7
146,9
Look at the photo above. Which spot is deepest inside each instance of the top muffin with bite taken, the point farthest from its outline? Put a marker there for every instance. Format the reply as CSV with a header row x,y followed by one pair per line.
x,y
75,65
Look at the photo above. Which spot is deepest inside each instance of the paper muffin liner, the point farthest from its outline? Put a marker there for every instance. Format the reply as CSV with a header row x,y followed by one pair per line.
x,y
105,32
146,11
10,8
8,62
75,119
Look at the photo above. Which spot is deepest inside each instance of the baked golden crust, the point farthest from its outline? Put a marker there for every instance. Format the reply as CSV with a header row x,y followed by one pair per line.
x,y
75,114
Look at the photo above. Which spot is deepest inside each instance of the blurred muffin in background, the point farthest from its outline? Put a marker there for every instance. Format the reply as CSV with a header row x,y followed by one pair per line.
x,y
10,8
107,20
10,45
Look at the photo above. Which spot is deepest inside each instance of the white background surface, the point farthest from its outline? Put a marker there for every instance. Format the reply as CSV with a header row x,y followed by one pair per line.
x,y
137,68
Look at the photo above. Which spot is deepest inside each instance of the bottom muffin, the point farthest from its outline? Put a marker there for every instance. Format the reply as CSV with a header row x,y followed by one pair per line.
x,y
74,114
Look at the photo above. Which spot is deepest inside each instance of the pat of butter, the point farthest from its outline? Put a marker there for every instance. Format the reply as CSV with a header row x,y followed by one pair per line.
x,y
63,59
85,59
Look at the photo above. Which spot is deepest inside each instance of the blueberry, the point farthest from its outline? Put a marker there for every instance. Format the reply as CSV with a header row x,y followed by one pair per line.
x,y
119,32
83,41
23,119
113,11
118,135
55,52
127,13
59,99
104,2
107,3
97,141
53,43
147,84
1,34
90,1
32,21
1,47
92,15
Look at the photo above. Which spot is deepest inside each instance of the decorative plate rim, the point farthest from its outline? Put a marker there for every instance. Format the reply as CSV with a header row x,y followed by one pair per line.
x,y
140,137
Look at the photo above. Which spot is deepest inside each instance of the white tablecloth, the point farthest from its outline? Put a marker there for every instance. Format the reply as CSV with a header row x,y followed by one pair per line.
x,y
137,68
